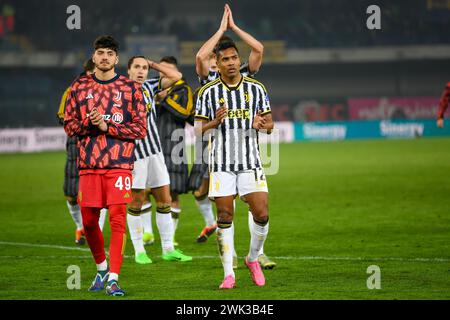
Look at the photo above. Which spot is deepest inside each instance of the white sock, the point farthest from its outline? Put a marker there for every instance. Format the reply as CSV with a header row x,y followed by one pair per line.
x,y
102,266
164,223
146,217
234,249
101,220
251,223
206,210
225,240
113,276
258,236
135,228
175,217
75,212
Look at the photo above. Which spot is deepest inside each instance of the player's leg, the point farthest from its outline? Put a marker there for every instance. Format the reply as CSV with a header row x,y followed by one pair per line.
x,y
176,211
205,207
253,187
146,217
95,241
71,180
101,220
134,220
117,192
117,220
165,226
135,228
91,200
75,212
223,189
225,238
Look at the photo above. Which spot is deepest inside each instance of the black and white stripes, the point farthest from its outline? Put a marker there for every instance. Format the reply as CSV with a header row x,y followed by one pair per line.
x,y
234,143
151,144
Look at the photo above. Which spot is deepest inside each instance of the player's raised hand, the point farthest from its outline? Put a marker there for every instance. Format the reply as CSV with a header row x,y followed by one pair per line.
x,y
150,63
224,23
440,123
221,114
231,24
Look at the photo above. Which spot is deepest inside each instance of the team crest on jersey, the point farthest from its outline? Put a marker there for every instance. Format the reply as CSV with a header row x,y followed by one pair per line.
x,y
247,96
118,96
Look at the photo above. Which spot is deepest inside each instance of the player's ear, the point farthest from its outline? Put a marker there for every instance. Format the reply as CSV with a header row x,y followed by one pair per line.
x,y
117,59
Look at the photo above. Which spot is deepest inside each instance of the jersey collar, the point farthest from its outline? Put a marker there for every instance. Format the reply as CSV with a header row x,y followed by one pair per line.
x,y
107,81
234,87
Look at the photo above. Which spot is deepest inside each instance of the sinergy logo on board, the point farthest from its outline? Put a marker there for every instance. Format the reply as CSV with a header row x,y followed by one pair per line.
x,y
407,130
324,132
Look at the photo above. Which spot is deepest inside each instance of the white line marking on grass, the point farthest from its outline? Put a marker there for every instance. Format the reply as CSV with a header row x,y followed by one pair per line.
x,y
302,258
50,246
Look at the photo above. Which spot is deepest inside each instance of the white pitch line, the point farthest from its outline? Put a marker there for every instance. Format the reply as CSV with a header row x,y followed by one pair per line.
x,y
33,245
302,258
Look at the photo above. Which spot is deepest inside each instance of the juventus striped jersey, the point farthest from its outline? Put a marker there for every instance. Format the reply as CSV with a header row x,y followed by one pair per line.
x,y
213,75
151,144
235,145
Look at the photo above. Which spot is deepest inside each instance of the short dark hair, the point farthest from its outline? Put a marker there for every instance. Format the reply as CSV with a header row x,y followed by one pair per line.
x,y
106,42
169,59
89,65
130,62
224,43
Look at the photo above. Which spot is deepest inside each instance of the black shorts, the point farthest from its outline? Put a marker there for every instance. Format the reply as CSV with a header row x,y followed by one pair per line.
x,y
71,175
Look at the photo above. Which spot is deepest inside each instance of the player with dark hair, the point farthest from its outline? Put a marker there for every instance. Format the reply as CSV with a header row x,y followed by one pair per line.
x,y
443,105
106,112
150,171
206,67
233,109
174,108
70,186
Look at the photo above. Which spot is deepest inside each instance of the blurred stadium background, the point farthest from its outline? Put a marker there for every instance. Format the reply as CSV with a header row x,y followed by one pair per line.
x,y
329,77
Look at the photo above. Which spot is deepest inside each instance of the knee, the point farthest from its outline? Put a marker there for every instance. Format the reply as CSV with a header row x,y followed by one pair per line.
x,y
224,215
261,214
90,222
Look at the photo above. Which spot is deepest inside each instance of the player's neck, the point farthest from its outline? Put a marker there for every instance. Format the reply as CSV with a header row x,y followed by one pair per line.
x,y
231,81
105,75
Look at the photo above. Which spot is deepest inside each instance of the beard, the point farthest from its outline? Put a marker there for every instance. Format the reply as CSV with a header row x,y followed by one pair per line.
x,y
104,67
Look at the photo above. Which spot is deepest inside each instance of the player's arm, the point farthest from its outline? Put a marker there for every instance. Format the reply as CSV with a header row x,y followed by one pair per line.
x,y
171,75
263,122
62,106
74,124
135,129
443,105
203,119
263,119
202,125
202,57
257,48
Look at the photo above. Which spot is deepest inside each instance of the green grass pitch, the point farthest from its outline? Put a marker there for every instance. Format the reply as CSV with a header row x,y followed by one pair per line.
x,y
336,208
